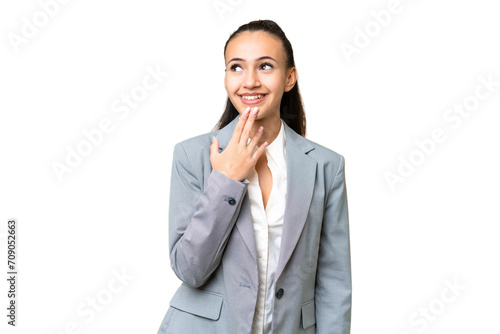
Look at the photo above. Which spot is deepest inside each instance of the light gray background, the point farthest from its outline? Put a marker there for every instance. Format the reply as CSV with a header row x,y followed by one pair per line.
x,y
110,213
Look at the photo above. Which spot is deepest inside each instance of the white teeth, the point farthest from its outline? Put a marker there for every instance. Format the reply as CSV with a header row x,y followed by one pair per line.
x,y
251,97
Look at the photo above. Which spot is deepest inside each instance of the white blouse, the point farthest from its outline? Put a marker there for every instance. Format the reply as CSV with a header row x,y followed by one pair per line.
x,y
268,224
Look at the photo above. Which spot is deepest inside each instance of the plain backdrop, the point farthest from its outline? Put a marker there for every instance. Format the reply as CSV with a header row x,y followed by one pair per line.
x,y
93,244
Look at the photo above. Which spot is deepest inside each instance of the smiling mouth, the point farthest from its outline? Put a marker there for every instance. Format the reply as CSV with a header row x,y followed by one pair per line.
x,y
252,97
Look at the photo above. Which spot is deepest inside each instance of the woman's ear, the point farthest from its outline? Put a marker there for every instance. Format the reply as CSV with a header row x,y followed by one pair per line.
x,y
291,79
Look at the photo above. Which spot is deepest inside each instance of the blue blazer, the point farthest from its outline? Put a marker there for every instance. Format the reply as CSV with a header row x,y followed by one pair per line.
x,y
213,251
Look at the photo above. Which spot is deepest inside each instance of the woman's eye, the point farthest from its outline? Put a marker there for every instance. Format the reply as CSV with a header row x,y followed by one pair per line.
x,y
267,64
234,66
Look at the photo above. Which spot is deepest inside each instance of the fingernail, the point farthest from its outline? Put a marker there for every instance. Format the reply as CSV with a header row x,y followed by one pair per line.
x,y
260,129
254,112
247,111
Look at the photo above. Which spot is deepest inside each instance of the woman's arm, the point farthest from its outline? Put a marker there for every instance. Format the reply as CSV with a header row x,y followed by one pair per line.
x,y
200,223
333,280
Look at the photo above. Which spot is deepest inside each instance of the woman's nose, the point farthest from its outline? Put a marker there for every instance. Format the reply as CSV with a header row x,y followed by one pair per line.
x,y
251,79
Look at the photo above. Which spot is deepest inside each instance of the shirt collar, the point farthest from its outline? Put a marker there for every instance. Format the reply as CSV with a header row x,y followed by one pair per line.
x,y
277,149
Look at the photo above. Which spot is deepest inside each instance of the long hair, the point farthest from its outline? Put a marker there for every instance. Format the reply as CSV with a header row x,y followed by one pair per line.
x,y
291,106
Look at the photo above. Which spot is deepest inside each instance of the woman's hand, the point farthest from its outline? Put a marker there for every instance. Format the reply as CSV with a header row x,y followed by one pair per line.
x,y
238,159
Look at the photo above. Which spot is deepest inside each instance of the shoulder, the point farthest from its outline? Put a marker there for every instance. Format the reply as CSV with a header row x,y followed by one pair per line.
x,y
194,152
197,142
330,163
325,156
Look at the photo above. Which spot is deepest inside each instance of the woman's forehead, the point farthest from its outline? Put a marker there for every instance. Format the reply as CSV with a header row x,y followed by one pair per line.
x,y
251,46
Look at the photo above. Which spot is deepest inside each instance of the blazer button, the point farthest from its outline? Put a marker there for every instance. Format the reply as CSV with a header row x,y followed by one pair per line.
x,y
279,294
231,201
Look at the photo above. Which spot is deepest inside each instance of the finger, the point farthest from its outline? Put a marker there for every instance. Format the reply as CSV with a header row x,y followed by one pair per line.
x,y
255,138
260,151
214,147
239,126
245,134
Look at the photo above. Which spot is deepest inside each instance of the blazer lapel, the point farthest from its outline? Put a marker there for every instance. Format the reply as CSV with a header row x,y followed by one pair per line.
x,y
301,177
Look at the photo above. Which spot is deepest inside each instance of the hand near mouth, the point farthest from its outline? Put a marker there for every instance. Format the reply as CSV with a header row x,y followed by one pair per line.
x,y
238,158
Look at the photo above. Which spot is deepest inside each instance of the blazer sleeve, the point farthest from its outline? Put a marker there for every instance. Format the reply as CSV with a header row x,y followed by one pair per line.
x,y
333,278
200,222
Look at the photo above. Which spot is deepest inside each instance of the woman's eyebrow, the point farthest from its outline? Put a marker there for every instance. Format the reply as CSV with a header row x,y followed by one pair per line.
x,y
241,59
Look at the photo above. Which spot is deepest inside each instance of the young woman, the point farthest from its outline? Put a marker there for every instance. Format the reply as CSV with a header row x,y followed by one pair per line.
x,y
259,228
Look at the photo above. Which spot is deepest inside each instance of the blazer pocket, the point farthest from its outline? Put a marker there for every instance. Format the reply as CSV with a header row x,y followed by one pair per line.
x,y
202,303
308,314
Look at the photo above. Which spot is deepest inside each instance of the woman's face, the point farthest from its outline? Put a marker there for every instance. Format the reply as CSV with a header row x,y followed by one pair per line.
x,y
255,65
